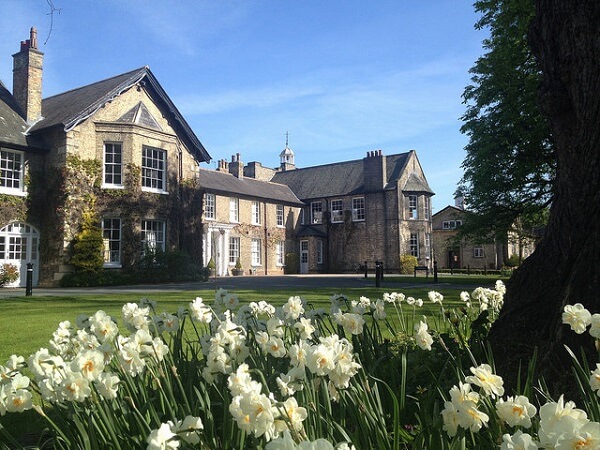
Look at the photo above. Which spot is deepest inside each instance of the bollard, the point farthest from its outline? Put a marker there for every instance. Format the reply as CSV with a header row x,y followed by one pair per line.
x,y
366,270
435,279
378,270
29,282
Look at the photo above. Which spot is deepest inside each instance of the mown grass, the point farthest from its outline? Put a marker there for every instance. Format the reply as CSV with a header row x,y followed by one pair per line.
x,y
27,323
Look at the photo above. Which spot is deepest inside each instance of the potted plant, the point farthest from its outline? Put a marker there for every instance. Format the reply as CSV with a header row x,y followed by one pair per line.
x,y
238,270
211,266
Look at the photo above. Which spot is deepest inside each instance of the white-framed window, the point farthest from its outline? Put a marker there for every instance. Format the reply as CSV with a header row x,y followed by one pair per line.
x,y
154,169
316,212
113,165
304,252
451,224
12,172
279,214
111,234
234,249
427,206
337,211
209,206
414,244
153,235
255,251
319,252
478,252
280,249
412,207
358,209
234,209
255,213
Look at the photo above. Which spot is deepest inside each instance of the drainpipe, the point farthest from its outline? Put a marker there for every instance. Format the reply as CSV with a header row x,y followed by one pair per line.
x,y
266,238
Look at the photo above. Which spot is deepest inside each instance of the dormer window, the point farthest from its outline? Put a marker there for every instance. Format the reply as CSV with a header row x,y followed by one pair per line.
x,y
12,171
154,170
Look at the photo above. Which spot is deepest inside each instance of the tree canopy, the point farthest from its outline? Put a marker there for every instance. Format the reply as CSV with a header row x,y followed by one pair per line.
x,y
509,167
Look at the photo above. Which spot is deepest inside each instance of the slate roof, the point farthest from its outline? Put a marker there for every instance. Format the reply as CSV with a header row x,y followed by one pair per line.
x,y
70,108
416,183
338,179
227,184
12,125
449,207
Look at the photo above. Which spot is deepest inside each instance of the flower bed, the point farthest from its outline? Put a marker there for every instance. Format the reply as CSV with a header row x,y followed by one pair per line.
x,y
234,375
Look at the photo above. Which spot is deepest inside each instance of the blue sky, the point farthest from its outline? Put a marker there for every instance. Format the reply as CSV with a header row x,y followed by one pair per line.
x,y
342,77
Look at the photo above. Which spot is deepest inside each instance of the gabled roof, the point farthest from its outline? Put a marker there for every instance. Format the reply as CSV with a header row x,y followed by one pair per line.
x,y
337,179
227,184
70,108
140,115
417,183
449,208
13,127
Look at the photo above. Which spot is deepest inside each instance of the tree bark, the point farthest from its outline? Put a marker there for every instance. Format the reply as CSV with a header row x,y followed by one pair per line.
x,y
565,268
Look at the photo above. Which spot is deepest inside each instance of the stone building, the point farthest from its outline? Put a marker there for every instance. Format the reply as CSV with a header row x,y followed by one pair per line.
x,y
246,219
117,149
374,209
451,253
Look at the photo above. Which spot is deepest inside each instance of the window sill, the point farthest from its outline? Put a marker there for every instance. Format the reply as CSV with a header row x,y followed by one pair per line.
x,y
15,192
113,266
154,191
113,186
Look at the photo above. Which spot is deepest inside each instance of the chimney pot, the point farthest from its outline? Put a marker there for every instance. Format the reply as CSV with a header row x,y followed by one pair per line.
x,y
33,38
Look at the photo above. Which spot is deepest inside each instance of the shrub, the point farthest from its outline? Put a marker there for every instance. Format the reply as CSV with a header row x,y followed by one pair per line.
x,y
408,263
292,263
104,277
9,273
88,245
159,266
513,261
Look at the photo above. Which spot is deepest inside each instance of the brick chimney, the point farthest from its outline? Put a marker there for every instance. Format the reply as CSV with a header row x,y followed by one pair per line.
x,y
374,171
27,78
236,166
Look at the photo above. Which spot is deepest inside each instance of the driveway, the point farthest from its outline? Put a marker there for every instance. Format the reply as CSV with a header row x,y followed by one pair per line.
x,y
229,283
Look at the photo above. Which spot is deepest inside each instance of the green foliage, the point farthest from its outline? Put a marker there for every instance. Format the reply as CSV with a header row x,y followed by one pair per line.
x,y
408,264
9,273
167,266
88,245
104,277
513,261
211,264
238,264
292,263
509,167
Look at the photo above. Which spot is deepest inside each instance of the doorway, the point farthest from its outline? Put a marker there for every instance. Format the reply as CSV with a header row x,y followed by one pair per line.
x,y
304,257
18,246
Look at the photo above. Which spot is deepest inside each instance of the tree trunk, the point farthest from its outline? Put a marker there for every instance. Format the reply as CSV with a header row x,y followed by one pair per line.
x,y
565,268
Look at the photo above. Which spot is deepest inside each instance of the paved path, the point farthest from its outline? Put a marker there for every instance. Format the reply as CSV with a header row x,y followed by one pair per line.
x,y
234,283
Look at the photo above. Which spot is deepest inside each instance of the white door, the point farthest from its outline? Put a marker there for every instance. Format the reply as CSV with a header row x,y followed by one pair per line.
x,y
303,256
19,246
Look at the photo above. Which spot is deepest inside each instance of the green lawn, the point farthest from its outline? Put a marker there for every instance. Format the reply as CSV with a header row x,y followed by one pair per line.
x,y
27,323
